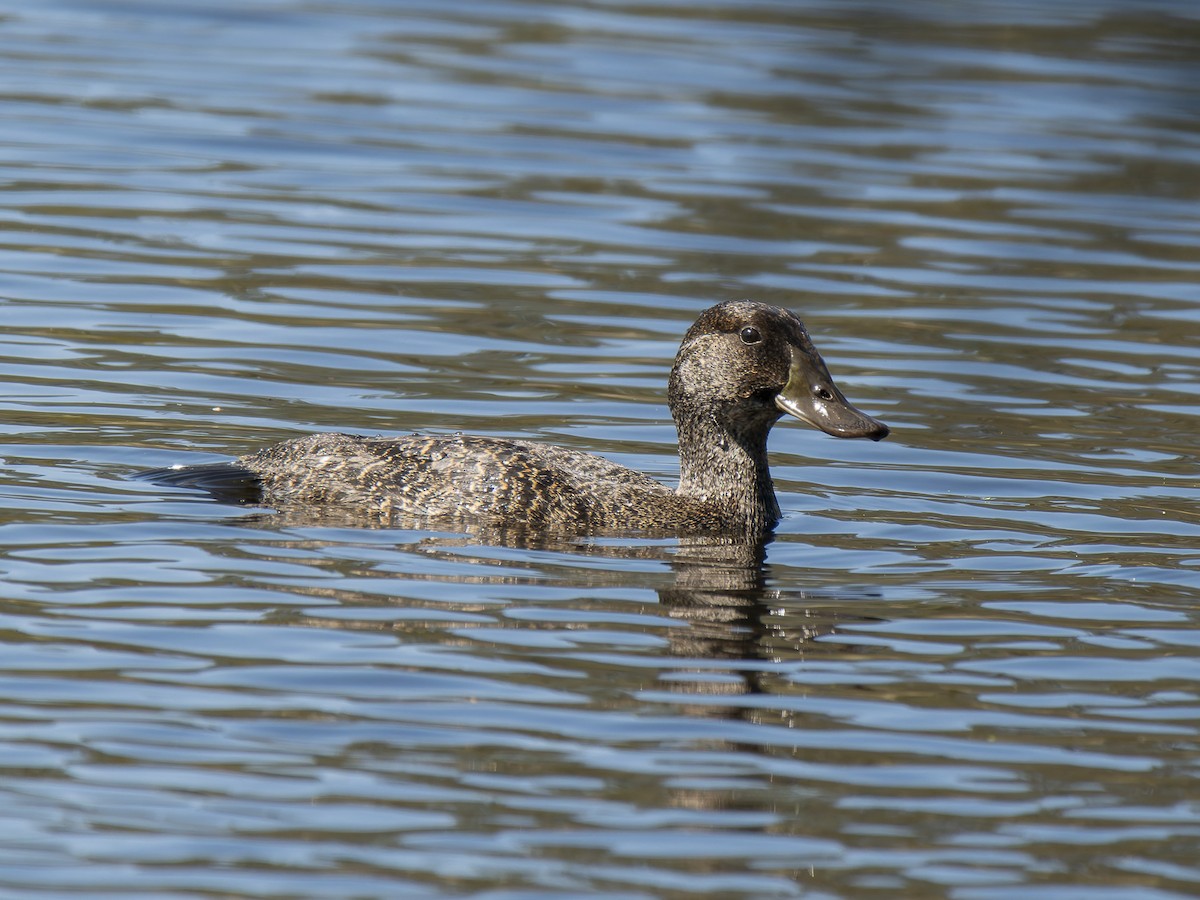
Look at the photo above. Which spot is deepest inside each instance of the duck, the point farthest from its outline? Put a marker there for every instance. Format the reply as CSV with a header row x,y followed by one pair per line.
x,y
740,368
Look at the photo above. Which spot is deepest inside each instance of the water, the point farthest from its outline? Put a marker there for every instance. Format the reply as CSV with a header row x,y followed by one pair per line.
x,y
967,664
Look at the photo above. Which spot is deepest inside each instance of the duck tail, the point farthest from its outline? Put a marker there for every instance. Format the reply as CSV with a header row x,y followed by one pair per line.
x,y
226,481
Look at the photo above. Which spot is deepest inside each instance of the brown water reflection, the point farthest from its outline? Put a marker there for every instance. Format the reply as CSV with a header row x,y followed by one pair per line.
x,y
718,590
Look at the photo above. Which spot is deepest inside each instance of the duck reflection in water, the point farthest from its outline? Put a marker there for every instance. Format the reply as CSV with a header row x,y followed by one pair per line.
x,y
716,587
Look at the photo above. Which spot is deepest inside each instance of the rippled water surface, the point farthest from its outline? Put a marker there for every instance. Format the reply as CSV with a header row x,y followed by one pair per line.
x,y
966,666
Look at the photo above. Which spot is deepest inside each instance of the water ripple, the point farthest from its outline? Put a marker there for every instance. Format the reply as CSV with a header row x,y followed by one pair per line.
x,y
965,666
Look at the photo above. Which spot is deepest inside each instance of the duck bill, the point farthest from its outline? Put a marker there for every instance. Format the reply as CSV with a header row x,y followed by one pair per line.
x,y
811,396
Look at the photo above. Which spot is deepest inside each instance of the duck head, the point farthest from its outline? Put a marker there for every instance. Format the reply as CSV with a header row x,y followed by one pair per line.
x,y
746,364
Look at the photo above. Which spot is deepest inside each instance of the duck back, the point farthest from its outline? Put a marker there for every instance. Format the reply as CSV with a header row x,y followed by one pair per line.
x,y
459,477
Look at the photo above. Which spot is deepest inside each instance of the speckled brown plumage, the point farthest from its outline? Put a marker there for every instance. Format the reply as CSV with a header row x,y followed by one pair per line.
x,y
739,368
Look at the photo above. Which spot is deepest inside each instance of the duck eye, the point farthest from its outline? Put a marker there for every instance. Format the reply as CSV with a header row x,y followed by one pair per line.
x,y
750,335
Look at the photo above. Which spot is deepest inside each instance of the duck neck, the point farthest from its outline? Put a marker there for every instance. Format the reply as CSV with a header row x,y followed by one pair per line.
x,y
726,467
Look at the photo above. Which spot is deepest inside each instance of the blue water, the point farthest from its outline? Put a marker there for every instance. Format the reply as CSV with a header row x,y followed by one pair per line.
x,y
966,666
